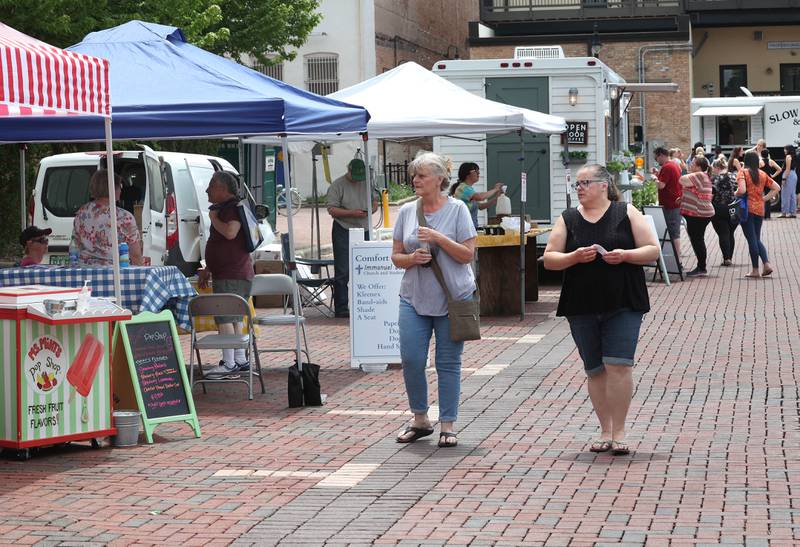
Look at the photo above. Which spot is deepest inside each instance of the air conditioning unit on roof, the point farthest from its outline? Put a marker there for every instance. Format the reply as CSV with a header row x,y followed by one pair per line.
x,y
539,52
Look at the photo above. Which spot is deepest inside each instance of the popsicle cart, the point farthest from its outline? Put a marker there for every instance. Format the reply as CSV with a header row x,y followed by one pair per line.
x,y
55,375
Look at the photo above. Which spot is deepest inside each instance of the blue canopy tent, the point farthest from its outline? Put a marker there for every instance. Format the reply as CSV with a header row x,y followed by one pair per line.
x,y
165,88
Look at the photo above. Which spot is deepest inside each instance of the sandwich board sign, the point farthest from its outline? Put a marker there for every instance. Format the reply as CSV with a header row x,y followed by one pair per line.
x,y
374,302
149,372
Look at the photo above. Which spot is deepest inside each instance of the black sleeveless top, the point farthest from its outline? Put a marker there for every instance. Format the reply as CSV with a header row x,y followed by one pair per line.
x,y
597,287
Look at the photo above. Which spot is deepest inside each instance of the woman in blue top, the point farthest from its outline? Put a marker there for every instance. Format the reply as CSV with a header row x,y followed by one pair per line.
x,y
468,175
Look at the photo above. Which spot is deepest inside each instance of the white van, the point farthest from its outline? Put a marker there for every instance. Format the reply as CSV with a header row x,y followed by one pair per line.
x,y
165,191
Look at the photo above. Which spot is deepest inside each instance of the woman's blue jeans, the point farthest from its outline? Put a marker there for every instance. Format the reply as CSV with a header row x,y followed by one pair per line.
x,y
415,338
752,232
788,197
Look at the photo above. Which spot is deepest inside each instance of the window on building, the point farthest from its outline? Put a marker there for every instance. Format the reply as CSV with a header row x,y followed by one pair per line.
x,y
731,78
273,71
733,130
790,79
321,73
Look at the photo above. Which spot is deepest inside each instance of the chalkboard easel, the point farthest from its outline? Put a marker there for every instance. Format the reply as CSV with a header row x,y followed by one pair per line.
x,y
149,371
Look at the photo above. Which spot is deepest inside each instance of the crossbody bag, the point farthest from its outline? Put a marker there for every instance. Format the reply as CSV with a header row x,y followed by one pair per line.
x,y
464,315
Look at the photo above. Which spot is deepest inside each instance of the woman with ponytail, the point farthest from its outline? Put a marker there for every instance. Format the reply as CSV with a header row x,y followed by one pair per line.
x,y
789,177
751,182
468,175
697,209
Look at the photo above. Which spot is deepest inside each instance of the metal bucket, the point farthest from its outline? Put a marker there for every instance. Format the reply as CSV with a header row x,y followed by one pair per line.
x,y
127,424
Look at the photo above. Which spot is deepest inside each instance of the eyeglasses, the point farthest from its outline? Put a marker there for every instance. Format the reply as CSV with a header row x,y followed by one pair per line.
x,y
39,239
585,183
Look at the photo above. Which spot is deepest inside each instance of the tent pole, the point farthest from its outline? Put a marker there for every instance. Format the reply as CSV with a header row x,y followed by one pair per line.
x,y
522,234
112,206
368,207
22,187
244,173
287,179
315,211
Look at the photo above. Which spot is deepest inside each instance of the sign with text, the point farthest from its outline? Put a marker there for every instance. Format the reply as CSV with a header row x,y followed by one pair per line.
x,y
156,372
578,133
781,123
374,302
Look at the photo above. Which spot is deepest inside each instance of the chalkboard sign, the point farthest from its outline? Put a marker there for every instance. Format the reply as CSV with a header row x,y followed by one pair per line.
x,y
157,370
577,132
155,374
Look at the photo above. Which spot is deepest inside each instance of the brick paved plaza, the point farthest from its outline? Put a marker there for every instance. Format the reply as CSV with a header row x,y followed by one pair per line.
x,y
714,428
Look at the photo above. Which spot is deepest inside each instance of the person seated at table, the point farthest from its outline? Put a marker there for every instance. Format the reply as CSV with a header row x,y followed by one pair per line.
x,y
34,241
92,226
468,175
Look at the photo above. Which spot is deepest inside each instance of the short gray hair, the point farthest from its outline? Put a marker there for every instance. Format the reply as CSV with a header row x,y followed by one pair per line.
x,y
438,165
601,173
227,180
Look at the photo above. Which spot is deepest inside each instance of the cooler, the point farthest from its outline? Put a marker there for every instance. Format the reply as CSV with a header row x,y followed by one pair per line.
x,y
55,378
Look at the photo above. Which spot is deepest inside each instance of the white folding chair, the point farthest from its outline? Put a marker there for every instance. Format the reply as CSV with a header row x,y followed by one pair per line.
x,y
281,285
215,305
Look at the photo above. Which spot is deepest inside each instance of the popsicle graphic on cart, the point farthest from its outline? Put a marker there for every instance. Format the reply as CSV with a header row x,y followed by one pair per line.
x,y
83,369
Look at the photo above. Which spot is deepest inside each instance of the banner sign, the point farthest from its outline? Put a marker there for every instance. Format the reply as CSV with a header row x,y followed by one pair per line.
x,y
781,123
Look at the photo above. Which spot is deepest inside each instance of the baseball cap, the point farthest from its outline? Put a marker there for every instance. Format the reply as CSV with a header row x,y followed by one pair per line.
x,y
32,232
358,170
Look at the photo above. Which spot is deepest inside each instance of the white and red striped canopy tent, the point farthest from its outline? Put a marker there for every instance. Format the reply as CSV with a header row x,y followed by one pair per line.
x,y
37,79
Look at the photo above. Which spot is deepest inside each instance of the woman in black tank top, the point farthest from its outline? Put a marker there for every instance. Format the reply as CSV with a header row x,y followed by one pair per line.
x,y
601,247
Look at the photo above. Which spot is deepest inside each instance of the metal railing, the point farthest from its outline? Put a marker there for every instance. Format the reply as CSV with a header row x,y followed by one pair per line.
x,y
530,10
397,173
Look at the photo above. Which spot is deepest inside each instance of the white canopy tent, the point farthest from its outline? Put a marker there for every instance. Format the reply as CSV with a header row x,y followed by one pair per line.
x,y
411,101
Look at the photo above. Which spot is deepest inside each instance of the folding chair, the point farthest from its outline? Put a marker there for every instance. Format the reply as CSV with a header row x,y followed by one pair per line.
x,y
222,304
283,285
311,289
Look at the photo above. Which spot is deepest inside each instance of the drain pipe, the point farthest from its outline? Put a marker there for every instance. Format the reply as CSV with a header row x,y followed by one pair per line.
x,y
644,50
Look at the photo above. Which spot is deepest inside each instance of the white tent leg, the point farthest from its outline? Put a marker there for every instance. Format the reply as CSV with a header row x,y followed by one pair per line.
x,y
287,179
22,188
368,207
112,205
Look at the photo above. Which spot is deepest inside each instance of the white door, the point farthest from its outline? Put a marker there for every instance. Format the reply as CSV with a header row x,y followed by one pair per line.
x,y
154,222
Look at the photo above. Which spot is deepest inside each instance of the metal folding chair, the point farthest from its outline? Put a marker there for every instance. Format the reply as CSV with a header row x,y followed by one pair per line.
x,y
223,304
311,289
282,285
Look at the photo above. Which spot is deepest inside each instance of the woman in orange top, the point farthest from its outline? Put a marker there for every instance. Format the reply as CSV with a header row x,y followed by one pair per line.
x,y
751,181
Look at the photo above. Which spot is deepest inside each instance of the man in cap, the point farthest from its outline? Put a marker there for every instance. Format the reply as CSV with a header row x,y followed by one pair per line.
x,y
346,204
34,242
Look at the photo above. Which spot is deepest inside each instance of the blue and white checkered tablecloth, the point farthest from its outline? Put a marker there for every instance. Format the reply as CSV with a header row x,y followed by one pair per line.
x,y
144,288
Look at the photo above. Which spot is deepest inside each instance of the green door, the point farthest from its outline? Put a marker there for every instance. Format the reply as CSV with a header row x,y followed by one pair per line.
x,y
503,152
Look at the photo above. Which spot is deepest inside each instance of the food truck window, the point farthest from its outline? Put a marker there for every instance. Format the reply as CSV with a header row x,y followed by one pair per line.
x,y
790,79
731,78
733,130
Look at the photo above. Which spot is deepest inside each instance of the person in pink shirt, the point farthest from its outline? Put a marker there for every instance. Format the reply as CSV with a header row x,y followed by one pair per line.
x,y
34,241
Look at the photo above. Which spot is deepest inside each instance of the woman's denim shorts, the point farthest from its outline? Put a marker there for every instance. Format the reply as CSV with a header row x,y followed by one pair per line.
x,y
606,338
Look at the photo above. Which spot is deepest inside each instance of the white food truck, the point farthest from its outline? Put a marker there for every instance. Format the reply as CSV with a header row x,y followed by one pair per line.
x,y
583,90
741,121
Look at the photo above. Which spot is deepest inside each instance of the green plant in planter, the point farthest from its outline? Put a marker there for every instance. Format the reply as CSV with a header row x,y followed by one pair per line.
x,y
646,195
615,167
578,154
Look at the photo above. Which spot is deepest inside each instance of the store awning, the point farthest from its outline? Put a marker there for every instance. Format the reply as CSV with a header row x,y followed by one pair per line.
x,y
728,110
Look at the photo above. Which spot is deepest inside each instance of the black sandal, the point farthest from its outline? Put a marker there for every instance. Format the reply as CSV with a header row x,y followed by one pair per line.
x,y
419,432
601,445
620,448
443,439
